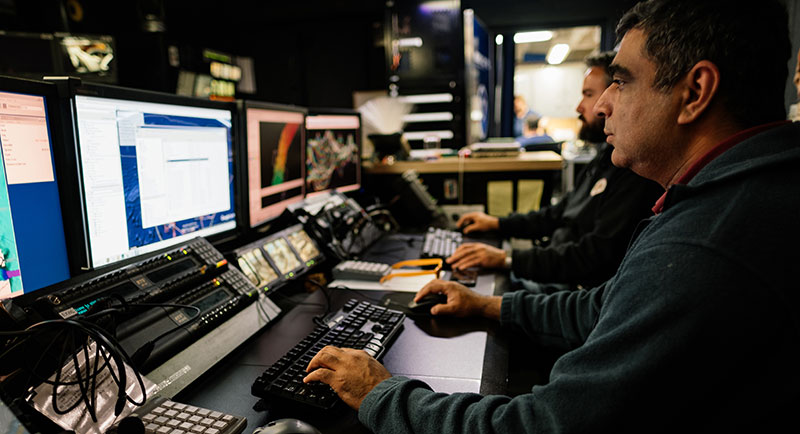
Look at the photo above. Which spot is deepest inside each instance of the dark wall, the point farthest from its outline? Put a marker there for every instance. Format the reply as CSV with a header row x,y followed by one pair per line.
x,y
311,53
509,15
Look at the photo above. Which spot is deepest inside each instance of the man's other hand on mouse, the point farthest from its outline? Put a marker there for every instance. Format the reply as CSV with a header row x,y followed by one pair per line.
x,y
461,301
351,373
477,222
477,255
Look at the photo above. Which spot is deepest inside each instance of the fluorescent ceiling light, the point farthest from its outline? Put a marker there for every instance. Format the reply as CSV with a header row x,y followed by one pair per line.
x,y
438,5
410,42
428,117
420,135
427,98
539,36
557,54
498,39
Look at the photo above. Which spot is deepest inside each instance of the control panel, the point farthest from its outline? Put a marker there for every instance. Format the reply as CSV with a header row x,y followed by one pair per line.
x,y
161,304
157,278
272,261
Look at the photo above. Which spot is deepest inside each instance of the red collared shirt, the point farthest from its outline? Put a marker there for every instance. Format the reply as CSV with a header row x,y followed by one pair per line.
x,y
714,153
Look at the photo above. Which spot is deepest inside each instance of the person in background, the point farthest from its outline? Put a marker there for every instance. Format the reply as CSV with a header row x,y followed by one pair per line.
x,y
698,330
521,112
581,240
794,113
533,132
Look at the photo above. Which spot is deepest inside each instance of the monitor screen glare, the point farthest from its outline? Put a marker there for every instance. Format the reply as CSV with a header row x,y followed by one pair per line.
x,y
33,251
154,175
332,153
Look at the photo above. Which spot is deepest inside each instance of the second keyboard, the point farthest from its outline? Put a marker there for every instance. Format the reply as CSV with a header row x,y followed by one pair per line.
x,y
440,243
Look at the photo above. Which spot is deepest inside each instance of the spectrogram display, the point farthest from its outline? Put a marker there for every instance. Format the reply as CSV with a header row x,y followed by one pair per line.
x,y
280,145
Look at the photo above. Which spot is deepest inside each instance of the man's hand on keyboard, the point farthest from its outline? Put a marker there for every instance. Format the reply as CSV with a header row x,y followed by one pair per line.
x,y
352,374
461,301
477,255
477,222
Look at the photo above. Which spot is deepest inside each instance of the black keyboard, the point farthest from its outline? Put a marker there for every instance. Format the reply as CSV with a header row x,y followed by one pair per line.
x,y
359,325
440,243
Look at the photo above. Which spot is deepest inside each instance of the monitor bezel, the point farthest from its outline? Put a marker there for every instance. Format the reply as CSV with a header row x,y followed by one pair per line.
x,y
323,111
244,170
140,95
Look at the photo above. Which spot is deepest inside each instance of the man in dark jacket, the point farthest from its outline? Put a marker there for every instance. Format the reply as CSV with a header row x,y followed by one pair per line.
x,y
587,231
698,330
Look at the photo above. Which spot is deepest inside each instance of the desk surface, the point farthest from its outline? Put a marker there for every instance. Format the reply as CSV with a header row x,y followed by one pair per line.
x,y
526,161
450,354
446,353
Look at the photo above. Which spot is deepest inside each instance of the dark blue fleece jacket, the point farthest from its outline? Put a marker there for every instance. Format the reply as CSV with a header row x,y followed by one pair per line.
x,y
698,331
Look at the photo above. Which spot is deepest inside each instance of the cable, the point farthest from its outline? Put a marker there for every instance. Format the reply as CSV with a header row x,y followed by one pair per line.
x,y
360,294
75,336
324,290
296,303
262,313
142,353
373,299
197,310
358,231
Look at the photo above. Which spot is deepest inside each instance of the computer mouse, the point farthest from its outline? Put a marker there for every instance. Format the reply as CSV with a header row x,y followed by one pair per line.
x,y
425,303
464,225
287,426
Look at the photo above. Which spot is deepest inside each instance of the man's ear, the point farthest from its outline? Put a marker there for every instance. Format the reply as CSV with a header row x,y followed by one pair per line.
x,y
701,83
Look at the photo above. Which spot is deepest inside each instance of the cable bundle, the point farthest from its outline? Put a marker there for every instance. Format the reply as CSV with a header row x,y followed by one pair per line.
x,y
82,353
79,353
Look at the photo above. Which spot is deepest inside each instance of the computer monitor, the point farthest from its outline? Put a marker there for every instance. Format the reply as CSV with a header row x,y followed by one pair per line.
x,y
33,250
333,151
156,170
275,170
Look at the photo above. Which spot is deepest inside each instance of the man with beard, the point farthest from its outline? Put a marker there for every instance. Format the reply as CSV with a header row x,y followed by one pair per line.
x,y
581,240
